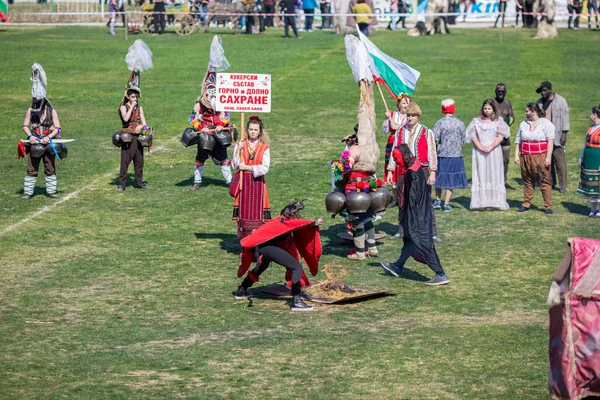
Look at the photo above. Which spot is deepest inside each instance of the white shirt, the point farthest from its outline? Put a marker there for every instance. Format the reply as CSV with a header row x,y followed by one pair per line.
x,y
257,170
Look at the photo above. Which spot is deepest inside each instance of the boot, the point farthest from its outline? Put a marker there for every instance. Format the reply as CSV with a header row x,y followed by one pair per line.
x,y
198,171
226,172
299,305
28,187
359,243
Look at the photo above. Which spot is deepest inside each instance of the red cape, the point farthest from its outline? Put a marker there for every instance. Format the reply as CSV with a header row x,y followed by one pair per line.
x,y
306,241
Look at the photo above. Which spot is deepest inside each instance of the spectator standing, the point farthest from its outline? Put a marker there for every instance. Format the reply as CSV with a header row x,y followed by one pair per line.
x,y
269,8
309,10
529,19
574,7
502,12
533,146
589,162
113,8
557,111
159,17
592,8
449,133
363,19
327,20
287,6
393,14
519,13
486,132
505,111
403,7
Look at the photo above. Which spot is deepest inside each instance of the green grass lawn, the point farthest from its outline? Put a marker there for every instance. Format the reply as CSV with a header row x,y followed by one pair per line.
x,y
109,295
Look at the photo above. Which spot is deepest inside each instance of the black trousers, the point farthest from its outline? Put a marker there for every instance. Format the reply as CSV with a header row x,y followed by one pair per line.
x,y
287,21
574,10
269,9
428,254
501,10
278,255
132,152
159,17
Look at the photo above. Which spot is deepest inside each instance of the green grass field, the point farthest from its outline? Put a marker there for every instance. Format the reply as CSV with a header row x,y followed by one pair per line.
x,y
109,295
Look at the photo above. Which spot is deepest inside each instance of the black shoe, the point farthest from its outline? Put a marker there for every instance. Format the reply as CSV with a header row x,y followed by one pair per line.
x,y
299,305
120,189
242,293
548,211
562,189
508,186
523,209
143,186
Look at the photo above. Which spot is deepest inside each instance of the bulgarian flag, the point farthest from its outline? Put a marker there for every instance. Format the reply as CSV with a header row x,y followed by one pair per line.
x,y
397,76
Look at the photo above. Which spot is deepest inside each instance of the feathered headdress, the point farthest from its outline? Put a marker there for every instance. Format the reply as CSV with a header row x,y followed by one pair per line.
x,y
138,59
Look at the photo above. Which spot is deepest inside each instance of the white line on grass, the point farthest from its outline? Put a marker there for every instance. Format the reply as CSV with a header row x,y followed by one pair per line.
x,y
65,198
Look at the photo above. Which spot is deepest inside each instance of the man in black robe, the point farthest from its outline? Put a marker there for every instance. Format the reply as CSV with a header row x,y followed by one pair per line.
x,y
415,218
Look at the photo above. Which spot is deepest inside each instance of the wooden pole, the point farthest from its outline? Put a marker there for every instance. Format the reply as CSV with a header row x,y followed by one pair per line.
x,y
126,25
383,98
242,125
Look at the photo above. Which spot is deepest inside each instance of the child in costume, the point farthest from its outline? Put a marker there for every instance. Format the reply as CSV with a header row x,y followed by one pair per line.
x,y
45,126
138,59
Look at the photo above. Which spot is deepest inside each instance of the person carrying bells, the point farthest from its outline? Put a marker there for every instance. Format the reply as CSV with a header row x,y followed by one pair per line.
x,y
138,59
207,120
41,125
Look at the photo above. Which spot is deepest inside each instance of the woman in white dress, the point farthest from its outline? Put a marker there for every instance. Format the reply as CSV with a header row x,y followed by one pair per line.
x,y
486,132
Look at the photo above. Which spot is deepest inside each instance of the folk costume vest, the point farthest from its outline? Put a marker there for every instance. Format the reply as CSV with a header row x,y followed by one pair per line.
x,y
41,127
134,120
418,145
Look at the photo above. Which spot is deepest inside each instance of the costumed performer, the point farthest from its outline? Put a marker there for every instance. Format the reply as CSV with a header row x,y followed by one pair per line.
x,y
416,218
251,160
421,142
280,240
391,126
360,160
589,162
486,132
45,126
534,144
138,59
207,120
450,135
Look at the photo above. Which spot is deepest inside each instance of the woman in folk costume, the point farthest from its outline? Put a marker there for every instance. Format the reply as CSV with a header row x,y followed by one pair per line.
x,y
421,142
138,59
589,162
360,160
251,160
282,240
486,132
45,126
206,119
392,124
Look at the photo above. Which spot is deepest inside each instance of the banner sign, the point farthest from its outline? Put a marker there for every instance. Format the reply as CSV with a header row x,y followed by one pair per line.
x,y
243,92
